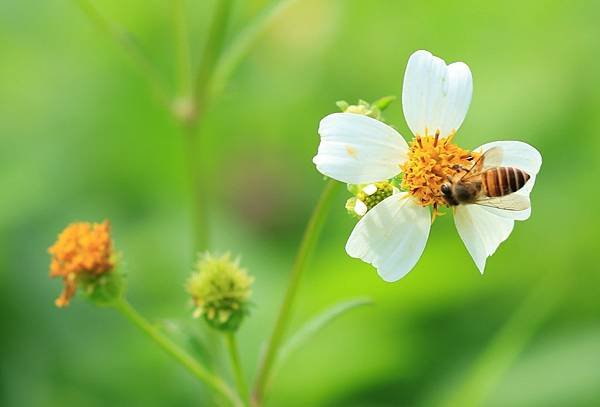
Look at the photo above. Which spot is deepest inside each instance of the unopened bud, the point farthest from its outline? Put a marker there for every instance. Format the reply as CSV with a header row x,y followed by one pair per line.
x,y
221,290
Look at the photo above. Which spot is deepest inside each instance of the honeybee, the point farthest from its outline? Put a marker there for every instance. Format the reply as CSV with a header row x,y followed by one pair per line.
x,y
487,184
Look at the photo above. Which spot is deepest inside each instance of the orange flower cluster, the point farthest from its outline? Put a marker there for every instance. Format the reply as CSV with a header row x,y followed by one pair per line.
x,y
81,249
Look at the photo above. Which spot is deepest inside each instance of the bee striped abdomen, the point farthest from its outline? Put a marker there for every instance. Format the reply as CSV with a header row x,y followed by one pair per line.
x,y
502,181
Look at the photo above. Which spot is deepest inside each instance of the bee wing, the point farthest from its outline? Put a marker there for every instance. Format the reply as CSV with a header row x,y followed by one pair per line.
x,y
492,158
511,202
488,159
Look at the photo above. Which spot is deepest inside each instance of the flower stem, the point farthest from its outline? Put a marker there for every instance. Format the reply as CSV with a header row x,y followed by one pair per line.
x,y
212,50
245,40
193,126
126,41
238,372
309,240
184,64
200,194
177,353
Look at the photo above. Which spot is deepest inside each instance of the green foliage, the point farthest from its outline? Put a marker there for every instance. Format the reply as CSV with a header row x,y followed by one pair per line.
x,y
307,331
82,138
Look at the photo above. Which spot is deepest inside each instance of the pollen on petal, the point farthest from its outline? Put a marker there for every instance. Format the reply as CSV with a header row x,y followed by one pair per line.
x,y
351,151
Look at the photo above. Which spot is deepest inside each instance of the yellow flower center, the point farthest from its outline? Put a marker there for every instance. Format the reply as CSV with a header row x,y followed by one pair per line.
x,y
431,160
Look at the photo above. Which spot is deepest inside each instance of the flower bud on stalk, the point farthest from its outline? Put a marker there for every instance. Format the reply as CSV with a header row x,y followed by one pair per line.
x,y
220,289
83,256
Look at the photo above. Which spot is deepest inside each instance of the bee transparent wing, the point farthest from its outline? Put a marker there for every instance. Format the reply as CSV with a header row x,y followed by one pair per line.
x,y
488,159
492,158
512,202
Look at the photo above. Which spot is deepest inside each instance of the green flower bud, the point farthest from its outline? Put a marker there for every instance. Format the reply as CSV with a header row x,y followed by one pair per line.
x,y
368,109
367,197
220,289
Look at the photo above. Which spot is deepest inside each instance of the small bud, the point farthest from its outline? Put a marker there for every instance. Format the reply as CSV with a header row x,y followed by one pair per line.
x,y
365,108
220,289
83,255
368,196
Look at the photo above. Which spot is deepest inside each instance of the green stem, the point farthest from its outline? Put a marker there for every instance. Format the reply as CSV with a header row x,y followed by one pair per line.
x,y
309,240
192,125
244,41
200,193
184,60
236,365
177,353
126,41
212,50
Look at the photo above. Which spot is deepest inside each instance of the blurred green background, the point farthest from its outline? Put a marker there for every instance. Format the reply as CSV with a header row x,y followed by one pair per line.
x,y
83,139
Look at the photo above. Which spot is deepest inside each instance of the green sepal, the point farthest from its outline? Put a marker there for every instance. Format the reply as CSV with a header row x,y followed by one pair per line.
x,y
342,105
384,102
104,289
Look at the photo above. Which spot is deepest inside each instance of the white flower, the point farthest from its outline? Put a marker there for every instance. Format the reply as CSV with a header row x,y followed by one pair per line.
x,y
357,149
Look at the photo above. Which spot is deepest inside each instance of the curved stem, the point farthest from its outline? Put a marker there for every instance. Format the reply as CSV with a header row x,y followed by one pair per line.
x,y
309,240
212,50
238,372
177,353
244,41
184,64
125,40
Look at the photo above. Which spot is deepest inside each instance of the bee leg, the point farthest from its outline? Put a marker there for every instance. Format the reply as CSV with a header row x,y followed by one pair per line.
x,y
458,167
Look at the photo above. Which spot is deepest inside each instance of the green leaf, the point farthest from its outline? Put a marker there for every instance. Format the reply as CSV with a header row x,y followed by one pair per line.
x,y
313,326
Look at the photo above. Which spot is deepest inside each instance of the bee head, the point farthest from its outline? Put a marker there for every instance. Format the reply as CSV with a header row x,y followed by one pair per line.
x,y
446,189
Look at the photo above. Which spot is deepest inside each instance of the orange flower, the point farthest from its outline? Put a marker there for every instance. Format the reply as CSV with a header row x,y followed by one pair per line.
x,y
82,249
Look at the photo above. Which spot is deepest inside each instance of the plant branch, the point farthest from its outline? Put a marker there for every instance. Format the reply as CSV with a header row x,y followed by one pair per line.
x,y
309,240
244,42
184,60
212,50
177,353
127,43
236,365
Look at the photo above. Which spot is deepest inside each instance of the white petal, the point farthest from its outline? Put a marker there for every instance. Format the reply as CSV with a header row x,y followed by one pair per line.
x,y
481,231
519,155
391,236
358,149
435,96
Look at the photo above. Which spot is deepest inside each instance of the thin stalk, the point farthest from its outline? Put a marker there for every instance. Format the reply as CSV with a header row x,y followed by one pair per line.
x,y
200,194
244,41
212,50
127,43
184,59
192,126
309,240
236,365
177,353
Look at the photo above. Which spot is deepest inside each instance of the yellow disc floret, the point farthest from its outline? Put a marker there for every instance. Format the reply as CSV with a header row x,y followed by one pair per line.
x,y
431,160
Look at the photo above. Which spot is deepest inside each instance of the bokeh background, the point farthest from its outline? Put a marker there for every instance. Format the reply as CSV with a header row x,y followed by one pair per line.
x,y
82,138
